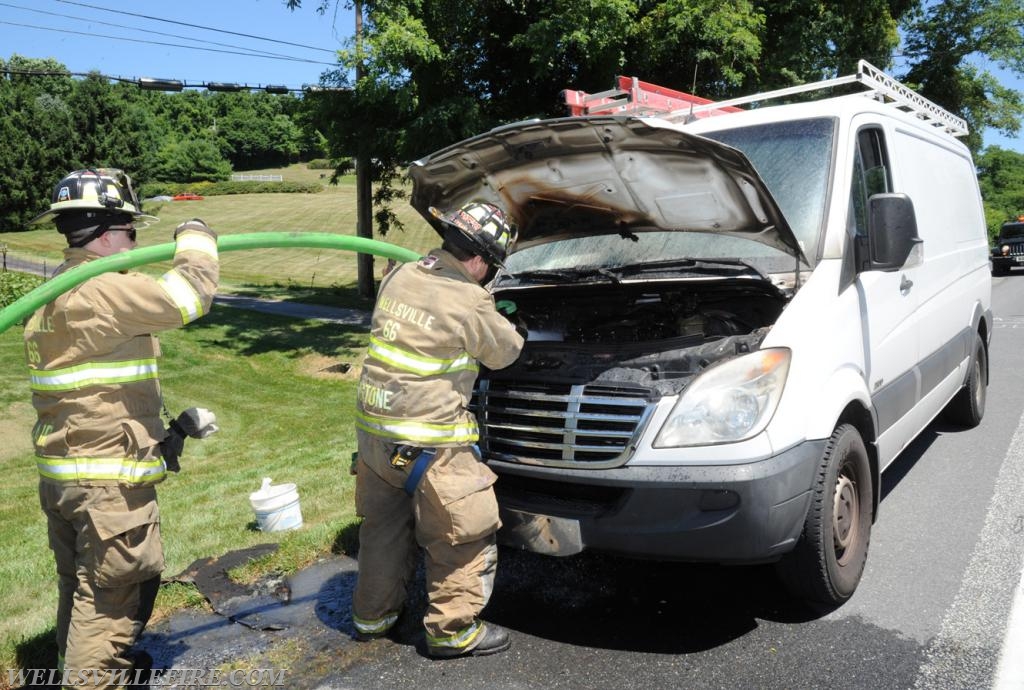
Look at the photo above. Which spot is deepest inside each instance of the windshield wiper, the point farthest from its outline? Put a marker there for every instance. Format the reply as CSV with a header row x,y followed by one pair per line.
x,y
558,275
547,275
703,266
618,273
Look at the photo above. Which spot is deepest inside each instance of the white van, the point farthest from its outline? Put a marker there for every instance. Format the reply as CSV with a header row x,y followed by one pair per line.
x,y
737,318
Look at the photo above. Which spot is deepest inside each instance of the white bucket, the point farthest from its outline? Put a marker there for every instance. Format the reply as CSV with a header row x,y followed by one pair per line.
x,y
276,507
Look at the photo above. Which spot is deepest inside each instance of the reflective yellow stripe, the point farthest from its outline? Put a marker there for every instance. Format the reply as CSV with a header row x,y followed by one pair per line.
x,y
128,470
457,641
373,627
428,434
184,296
92,374
418,364
196,241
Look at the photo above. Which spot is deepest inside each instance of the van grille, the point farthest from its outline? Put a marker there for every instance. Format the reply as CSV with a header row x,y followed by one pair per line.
x,y
560,425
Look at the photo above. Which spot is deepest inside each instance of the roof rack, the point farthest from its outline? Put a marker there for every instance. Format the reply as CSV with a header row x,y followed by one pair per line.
x,y
881,86
641,98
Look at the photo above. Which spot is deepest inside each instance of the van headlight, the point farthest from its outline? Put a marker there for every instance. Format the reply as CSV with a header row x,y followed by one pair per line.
x,y
730,402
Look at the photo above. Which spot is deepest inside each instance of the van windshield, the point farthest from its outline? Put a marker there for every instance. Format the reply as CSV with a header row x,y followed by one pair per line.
x,y
792,158
1011,231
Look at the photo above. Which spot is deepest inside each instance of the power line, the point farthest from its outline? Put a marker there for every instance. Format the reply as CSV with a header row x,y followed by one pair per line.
x,y
194,26
158,33
62,73
173,45
174,84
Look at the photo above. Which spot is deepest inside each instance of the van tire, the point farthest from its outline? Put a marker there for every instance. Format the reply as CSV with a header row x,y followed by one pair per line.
x,y
968,406
826,565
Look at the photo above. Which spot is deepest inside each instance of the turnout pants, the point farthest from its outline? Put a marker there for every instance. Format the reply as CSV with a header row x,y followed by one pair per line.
x,y
106,542
452,515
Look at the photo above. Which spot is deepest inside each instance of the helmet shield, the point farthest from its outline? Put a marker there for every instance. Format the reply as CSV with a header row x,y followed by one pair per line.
x,y
94,190
485,226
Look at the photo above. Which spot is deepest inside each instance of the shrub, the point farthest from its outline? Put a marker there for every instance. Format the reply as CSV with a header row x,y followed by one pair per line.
x,y
14,285
327,164
151,189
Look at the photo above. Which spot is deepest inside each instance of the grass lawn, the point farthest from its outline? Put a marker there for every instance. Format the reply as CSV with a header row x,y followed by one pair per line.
x,y
281,414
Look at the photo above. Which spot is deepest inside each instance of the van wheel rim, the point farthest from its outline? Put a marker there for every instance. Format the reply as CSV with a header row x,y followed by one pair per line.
x,y
979,389
845,514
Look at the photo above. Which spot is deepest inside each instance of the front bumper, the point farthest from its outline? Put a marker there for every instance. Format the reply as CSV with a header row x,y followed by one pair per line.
x,y
745,513
1006,262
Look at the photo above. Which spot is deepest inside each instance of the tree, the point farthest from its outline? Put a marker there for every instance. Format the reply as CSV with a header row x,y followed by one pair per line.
x,y
808,40
1001,177
187,114
255,131
945,39
191,160
112,127
54,123
35,146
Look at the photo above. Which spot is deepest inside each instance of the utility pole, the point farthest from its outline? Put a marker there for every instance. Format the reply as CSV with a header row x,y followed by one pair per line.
x,y
364,188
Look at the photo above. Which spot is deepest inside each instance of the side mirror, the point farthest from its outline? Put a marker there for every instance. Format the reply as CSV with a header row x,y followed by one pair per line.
x,y
892,233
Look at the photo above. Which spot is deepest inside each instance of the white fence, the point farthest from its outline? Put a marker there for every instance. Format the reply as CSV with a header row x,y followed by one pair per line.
x,y
257,178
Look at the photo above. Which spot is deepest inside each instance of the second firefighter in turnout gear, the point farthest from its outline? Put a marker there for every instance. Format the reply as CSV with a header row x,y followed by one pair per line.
x,y
92,363
420,480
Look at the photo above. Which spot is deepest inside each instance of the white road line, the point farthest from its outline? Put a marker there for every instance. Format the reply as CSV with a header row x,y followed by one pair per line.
x,y
966,650
1011,664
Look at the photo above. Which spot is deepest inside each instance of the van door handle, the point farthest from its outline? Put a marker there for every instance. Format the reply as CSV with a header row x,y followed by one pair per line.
x,y
905,285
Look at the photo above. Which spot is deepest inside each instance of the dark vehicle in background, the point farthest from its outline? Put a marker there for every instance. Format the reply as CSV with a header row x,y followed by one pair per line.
x,y
1009,249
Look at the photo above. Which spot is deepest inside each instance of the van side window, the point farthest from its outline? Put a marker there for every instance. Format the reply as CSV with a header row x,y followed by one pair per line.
x,y
870,176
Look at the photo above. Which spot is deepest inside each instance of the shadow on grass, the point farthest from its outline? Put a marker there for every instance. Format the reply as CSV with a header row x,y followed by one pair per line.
x,y
346,541
343,296
244,332
37,652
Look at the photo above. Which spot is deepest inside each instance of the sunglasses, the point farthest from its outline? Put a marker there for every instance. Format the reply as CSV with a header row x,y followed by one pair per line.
x,y
131,233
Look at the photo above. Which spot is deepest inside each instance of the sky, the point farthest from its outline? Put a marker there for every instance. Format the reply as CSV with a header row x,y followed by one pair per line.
x,y
198,41
187,40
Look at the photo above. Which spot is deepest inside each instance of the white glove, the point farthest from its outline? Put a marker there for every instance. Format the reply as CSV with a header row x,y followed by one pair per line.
x,y
198,422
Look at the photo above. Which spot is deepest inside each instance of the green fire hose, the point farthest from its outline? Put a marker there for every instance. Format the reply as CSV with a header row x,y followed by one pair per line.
x,y
51,289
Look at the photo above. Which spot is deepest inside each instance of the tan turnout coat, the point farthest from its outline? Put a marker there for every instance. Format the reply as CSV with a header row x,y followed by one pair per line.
x,y
92,360
432,327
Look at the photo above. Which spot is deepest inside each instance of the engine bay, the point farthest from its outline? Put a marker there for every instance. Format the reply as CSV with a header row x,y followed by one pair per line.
x,y
654,335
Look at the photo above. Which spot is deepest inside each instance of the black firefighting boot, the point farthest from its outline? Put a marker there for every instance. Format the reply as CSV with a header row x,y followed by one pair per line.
x,y
492,639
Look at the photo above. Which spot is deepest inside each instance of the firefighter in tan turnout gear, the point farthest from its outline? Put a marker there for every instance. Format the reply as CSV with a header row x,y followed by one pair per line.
x,y
420,479
93,375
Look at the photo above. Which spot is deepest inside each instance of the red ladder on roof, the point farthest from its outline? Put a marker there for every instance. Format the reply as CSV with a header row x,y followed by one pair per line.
x,y
635,97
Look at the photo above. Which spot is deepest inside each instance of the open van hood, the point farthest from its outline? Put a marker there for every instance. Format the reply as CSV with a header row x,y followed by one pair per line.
x,y
579,176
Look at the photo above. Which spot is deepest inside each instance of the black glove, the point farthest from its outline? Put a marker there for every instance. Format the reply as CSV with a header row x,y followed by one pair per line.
x,y
172,446
195,422
195,224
